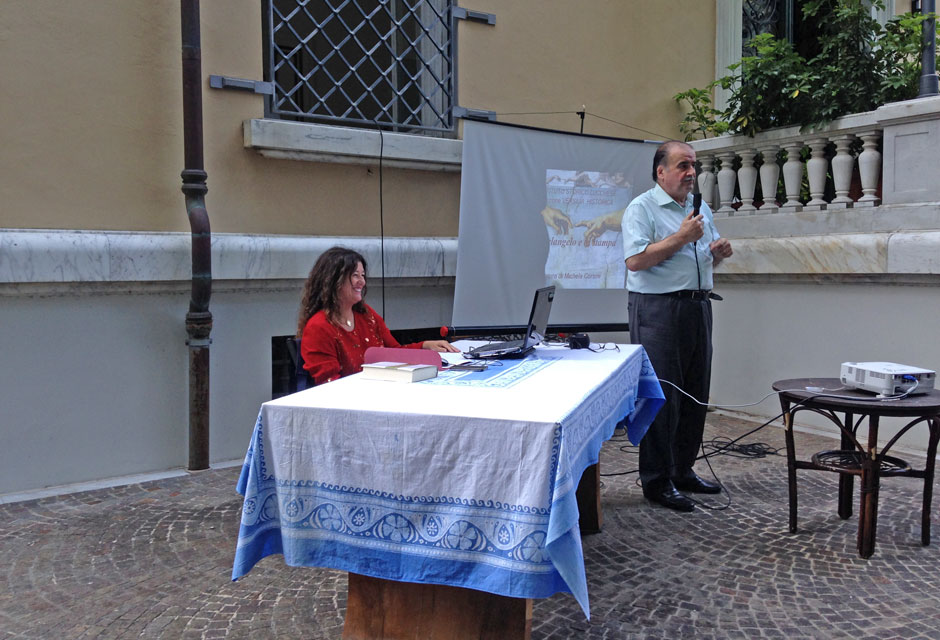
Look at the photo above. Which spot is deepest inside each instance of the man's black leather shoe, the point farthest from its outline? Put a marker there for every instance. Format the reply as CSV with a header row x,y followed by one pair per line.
x,y
668,497
694,484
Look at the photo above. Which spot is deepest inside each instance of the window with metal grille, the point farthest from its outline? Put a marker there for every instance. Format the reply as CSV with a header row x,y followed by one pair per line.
x,y
386,63
784,19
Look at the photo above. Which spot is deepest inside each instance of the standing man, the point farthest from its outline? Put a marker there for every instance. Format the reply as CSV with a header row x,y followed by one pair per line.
x,y
670,251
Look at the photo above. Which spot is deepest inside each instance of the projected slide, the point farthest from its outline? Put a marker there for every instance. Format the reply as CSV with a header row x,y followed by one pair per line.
x,y
582,217
540,207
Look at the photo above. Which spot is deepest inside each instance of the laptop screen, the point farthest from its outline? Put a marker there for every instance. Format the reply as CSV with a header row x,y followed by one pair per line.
x,y
538,317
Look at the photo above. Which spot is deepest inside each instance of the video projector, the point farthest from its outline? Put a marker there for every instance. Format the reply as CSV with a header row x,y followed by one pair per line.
x,y
887,378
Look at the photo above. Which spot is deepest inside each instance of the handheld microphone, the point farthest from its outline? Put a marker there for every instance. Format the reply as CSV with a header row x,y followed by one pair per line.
x,y
696,205
696,196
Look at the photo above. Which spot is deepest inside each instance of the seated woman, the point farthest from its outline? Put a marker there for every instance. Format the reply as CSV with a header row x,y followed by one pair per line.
x,y
335,325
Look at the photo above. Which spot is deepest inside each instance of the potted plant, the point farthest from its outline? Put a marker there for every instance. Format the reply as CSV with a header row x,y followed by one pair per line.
x,y
858,66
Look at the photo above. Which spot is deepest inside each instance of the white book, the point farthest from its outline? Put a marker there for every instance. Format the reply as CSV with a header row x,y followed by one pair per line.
x,y
398,371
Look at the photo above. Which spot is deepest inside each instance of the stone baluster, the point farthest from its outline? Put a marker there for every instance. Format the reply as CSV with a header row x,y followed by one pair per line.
x,y
869,168
793,176
842,165
726,180
816,168
747,181
706,179
769,174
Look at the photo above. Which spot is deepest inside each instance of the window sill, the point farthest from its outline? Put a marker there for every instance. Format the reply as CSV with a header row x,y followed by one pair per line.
x,y
324,143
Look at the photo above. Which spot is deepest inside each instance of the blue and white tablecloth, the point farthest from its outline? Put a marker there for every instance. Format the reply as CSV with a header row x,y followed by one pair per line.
x,y
467,479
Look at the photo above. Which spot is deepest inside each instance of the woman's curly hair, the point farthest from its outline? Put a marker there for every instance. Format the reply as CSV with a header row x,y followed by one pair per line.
x,y
322,287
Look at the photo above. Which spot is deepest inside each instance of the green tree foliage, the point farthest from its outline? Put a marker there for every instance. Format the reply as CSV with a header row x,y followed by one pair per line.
x,y
860,66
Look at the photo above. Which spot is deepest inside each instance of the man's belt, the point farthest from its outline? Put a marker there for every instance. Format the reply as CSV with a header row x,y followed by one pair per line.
x,y
693,294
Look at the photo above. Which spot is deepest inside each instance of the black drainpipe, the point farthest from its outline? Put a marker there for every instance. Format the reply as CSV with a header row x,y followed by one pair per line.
x,y
928,80
198,319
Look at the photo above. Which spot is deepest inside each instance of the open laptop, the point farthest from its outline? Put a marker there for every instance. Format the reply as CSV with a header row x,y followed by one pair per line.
x,y
535,331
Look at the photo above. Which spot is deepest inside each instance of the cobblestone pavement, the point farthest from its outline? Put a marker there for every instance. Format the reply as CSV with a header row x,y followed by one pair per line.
x,y
153,560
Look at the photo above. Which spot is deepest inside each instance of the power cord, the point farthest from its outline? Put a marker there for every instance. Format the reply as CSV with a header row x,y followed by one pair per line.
x,y
719,448
725,446
723,489
715,448
581,115
816,391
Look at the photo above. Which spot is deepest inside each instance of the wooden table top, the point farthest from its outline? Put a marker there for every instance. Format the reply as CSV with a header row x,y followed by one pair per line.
x,y
834,395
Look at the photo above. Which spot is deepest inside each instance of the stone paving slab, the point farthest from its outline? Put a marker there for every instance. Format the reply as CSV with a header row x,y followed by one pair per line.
x,y
153,560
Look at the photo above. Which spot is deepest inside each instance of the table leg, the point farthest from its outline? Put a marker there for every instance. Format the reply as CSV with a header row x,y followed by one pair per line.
x,y
791,460
389,610
846,480
934,425
588,496
870,481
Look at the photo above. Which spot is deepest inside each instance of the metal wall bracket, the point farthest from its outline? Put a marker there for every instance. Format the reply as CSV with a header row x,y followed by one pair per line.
x,y
474,114
227,82
476,16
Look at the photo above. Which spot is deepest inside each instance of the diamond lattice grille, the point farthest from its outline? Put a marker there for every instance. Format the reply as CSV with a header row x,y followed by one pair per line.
x,y
363,61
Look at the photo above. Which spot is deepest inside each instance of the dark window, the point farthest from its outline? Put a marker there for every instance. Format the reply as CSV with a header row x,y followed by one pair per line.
x,y
386,63
784,19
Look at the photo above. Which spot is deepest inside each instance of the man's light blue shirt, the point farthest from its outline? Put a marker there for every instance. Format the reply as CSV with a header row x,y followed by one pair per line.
x,y
652,216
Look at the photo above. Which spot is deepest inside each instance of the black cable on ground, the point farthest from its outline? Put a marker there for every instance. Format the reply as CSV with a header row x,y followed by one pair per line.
x,y
714,447
724,446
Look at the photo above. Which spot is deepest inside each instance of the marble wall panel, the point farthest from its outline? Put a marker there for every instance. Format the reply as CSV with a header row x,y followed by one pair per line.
x,y
67,256
914,252
53,256
142,257
849,253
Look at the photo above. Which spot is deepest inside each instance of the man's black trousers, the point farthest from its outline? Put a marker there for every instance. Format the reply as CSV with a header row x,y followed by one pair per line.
x,y
676,333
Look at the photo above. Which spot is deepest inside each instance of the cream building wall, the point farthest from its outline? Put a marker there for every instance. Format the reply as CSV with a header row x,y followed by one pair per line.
x,y
97,112
621,60
97,141
94,238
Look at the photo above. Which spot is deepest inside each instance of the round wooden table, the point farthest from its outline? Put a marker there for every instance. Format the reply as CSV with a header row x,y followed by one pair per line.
x,y
828,397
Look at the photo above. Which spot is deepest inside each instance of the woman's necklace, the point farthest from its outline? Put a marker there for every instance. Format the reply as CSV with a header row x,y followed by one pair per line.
x,y
344,323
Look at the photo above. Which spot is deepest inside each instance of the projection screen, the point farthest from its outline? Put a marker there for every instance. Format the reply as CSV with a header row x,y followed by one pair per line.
x,y
528,198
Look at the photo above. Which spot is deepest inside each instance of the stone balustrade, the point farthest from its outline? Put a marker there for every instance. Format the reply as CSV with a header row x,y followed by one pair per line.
x,y
776,155
894,151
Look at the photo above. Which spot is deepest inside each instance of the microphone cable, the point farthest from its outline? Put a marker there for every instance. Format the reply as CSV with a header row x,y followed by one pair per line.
x,y
717,447
381,213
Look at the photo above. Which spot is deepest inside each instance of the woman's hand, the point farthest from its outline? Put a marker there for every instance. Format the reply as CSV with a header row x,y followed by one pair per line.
x,y
440,346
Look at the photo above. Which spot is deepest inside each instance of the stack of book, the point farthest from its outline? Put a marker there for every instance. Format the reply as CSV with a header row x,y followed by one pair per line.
x,y
398,371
